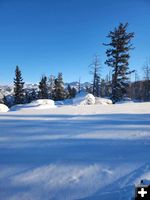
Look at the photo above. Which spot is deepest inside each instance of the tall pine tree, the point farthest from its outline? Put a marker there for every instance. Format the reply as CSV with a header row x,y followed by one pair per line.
x,y
43,88
59,92
95,66
118,58
51,86
18,87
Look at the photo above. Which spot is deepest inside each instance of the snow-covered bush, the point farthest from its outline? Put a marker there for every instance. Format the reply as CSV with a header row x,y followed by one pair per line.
x,y
84,98
3,108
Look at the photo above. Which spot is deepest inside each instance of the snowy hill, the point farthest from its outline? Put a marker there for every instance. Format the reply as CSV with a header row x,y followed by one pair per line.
x,y
74,152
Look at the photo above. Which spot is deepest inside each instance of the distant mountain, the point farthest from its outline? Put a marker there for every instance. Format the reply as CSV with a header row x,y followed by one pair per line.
x,y
6,90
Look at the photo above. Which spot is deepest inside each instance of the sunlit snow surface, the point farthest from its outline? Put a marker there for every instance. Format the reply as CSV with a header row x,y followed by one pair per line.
x,y
74,152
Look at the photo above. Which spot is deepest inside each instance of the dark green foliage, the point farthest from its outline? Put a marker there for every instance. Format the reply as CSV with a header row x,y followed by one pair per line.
x,y
118,56
18,87
43,88
30,95
103,88
68,92
71,92
59,92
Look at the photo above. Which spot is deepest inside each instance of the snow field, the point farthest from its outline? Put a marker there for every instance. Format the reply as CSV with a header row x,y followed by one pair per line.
x,y
74,152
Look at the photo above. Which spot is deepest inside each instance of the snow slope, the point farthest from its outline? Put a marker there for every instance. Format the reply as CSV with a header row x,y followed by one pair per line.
x,y
74,152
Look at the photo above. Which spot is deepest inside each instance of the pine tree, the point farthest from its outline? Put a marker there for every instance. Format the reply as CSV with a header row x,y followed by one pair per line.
x,y
18,87
30,95
71,92
51,86
118,56
103,88
59,92
33,95
96,77
43,88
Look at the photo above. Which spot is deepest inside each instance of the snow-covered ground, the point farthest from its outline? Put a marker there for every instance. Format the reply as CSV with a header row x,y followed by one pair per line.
x,y
74,152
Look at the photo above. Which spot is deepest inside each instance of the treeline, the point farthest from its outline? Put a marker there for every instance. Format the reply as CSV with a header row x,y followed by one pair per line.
x,y
48,88
117,85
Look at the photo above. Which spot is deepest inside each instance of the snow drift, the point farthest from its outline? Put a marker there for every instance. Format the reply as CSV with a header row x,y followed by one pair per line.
x,y
3,108
37,104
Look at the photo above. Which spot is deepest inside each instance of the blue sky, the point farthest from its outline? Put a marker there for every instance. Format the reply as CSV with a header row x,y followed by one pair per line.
x,y
51,36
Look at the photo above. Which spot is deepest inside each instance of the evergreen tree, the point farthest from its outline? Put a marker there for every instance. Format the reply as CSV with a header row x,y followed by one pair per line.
x,y
71,92
51,87
43,88
59,92
33,95
103,88
118,56
30,95
18,87
96,77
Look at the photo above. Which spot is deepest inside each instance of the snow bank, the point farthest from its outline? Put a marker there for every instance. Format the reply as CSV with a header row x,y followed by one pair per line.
x,y
43,102
37,104
3,108
84,98
102,101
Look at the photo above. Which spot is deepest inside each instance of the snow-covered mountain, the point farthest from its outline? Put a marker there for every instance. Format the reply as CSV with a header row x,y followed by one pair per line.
x,y
8,89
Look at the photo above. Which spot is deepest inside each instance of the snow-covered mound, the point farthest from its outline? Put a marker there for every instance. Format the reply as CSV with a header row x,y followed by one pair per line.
x,y
37,104
3,108
84,98
103,101
43,102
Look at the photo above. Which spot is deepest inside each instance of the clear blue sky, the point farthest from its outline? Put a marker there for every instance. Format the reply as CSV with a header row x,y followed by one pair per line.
x,y
51,36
